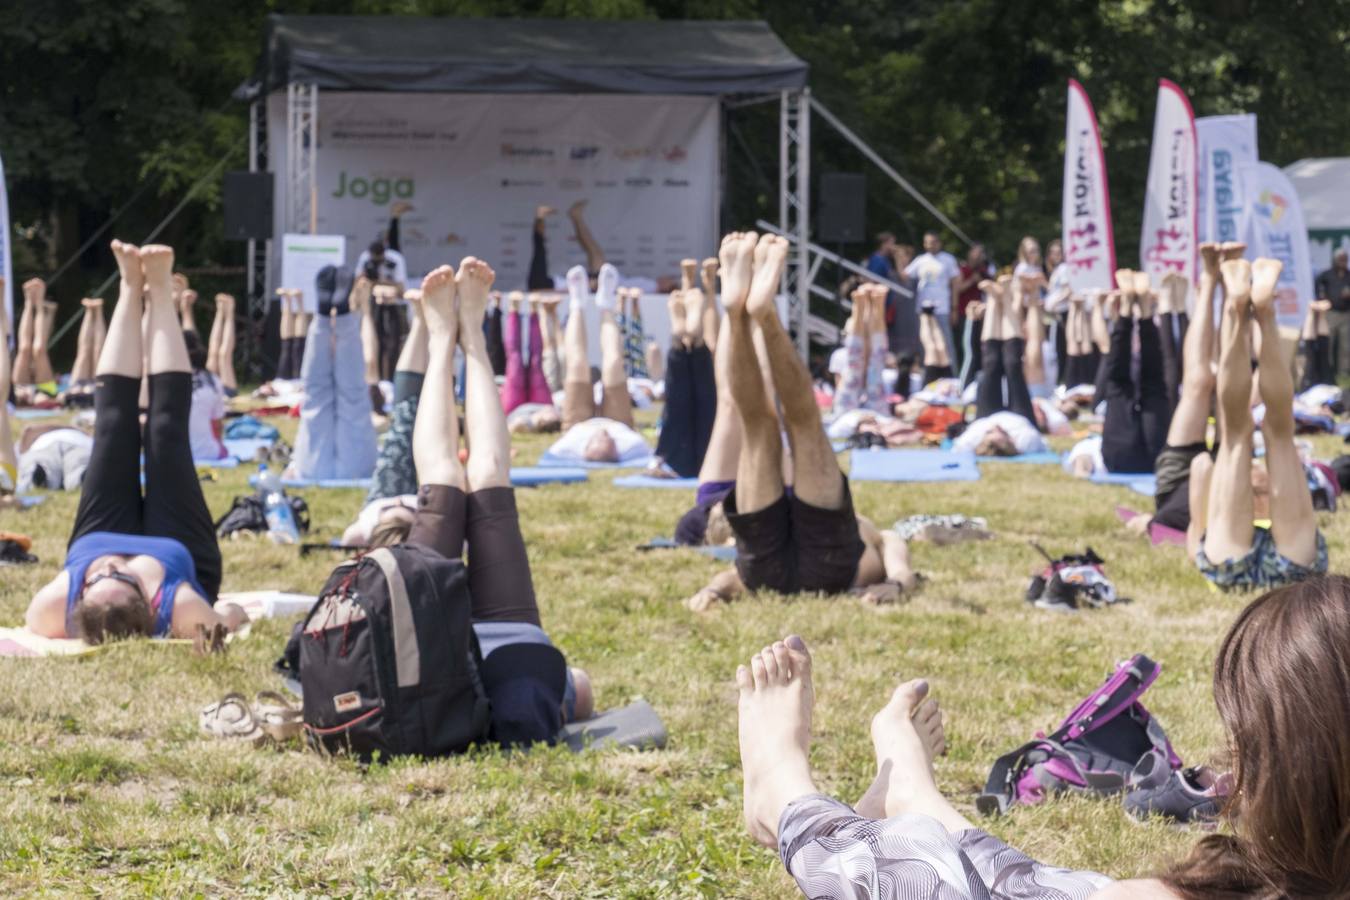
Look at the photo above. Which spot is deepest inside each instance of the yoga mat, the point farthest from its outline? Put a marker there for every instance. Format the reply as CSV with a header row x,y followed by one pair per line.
x,y
246,449
636,725
37,413
322,483
720,552
1146,485
269,604
1045,457
647,481
28,501
913,465
225,462
20,642
533,476
1125,478
549,461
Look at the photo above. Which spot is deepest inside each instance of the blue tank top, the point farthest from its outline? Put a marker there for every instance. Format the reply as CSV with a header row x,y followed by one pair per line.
x,y
169,553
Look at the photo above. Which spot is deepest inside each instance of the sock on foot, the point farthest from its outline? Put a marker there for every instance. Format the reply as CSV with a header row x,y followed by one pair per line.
x,y
607,286
576,288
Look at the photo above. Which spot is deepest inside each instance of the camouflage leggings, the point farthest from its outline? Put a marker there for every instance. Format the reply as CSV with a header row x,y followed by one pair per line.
x,y
395,473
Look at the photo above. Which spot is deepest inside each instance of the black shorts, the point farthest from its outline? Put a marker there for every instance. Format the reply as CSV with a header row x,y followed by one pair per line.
x,y
793,547
1171,498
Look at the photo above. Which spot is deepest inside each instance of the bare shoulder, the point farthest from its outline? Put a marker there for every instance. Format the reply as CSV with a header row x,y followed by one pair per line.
x,y
1136,889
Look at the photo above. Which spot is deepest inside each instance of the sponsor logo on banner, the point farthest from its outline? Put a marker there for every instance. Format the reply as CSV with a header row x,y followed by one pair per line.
x,y
525,151
1089,244
675,154
581,153
570,184
1167,242
1227,143
637,182
676,182
606,183
379,189
522,182
1274,221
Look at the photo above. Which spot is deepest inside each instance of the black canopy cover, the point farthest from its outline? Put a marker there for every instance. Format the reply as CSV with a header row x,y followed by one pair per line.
x,y
408,54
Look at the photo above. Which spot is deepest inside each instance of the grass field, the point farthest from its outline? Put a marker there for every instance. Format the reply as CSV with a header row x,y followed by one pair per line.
x,y
107,787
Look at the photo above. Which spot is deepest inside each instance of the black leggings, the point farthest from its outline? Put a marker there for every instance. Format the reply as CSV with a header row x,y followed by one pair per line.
x,y
1317,367
1173,333
496,347
1000,361
1137,415
691,406
389,320
539,279
500,585
173,506
1081,369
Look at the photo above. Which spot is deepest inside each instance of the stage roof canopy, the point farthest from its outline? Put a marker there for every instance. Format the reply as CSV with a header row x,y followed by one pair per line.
x,y
573,56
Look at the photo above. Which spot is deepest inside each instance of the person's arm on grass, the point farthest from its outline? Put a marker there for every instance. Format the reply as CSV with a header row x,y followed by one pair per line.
x,y
191,610
46,615
724,587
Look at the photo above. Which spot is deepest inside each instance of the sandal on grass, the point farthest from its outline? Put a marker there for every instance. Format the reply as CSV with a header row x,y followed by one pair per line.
x,y
279,718
230,718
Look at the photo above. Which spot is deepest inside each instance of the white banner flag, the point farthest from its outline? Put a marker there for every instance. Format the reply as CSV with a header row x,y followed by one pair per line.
x,y
1227,143
1275,228
1167,242
1089,244
6,254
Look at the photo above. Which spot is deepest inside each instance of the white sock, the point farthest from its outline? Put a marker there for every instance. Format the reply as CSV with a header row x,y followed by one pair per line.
x,y
577,288
607,287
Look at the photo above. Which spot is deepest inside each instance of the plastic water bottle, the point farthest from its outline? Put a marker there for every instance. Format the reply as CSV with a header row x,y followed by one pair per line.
x,y
277,508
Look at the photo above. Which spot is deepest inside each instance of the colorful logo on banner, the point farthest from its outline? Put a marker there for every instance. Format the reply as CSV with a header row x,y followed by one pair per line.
x,y
1276,228
1167,242
1089,244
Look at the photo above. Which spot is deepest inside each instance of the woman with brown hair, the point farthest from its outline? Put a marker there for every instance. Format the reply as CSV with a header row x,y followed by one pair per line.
x,y
1281,683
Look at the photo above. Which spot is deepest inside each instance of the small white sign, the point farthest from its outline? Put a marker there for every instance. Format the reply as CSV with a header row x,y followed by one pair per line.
x,y
303,255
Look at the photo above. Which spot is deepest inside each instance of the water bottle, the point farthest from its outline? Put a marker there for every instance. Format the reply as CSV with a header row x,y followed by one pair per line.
x,y
281,526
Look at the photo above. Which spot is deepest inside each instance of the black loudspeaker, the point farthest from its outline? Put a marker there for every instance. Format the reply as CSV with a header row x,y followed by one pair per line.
x,y
842,208
248,206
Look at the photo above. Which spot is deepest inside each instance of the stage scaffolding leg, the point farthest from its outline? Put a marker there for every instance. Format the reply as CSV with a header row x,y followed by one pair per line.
x,y
259,261
794,208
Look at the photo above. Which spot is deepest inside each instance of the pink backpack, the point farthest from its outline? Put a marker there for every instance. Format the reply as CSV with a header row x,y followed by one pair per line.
x,y
1094,750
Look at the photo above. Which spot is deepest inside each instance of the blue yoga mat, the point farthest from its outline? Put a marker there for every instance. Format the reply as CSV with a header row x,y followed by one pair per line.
x,y
1125,478
532,476
227,462
246,449
549,461
913,465
720,552
37,413
647,481
322,483
1146,485
1046,457
28,501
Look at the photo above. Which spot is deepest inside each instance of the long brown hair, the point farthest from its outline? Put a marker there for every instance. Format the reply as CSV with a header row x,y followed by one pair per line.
x,y
1282,685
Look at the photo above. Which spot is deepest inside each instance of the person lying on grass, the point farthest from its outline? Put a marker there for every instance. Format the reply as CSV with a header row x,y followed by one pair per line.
x,y
809,539
1280,667
468,510
139,565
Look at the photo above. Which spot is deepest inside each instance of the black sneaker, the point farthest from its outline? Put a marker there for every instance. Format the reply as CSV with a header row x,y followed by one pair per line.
x,y
1184,796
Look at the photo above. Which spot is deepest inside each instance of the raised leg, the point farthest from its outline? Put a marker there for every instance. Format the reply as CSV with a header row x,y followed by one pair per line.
x,y
86,347
724,447
578,395
225,302
22,371
1292,523
187,302
711,317
122,352
1033,365
595,257
489,441
42,335
616,404
1228,513
436,434
9,462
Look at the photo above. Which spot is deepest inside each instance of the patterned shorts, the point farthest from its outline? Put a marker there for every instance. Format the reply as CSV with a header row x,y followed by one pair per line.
x,y
834,853
1262,567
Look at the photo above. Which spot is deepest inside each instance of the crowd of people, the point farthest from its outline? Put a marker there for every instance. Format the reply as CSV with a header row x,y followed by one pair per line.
x,y
933,350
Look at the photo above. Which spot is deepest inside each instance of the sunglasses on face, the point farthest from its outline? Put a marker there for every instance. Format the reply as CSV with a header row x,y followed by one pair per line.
x,y
123,577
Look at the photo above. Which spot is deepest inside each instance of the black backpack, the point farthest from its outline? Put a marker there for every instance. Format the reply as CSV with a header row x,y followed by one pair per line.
x,y
389,660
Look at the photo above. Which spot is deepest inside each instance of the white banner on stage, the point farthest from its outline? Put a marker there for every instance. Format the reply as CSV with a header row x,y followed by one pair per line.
x,y
1227,143
1089,244
1167,242
6,254
1275,228
642,172
303,255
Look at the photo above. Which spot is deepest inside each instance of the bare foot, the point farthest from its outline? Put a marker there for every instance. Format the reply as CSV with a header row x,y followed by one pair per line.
x,y
550,299
1143,284
577,208
704,600
688,271
737,256
474,279
34,290
907,734
1210,257
883,594
1265,277
1320,306
694,304
770,257
438,302
513,299
1125,283
710,276
413,295
1172,297
775,733
157,263
186,300
675,305
543,212
400,208
1232,250
1143,304
1237,281
129,265
92,302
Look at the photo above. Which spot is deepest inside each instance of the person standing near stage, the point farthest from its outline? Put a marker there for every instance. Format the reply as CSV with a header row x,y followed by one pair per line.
x,y
387,271
939,277
1333,285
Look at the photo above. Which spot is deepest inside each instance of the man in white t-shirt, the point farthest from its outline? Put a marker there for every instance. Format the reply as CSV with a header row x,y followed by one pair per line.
x,y
937,277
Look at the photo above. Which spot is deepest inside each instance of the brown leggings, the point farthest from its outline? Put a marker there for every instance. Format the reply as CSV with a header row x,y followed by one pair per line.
x,y
500,586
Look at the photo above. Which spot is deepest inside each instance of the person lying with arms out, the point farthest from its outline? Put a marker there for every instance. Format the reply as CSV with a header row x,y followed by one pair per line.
x,y
139,566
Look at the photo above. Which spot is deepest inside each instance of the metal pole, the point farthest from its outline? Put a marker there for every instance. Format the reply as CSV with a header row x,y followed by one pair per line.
x,y
803,284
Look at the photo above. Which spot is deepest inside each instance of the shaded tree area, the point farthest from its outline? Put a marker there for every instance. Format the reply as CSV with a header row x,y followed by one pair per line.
x,y
121,108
